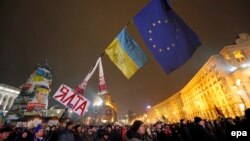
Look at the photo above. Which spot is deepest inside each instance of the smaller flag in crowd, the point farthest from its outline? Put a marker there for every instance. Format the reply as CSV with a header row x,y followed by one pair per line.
x,y
126,54
168,38
219,112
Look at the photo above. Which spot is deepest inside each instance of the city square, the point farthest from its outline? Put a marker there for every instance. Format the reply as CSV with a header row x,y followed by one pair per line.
x,y
158,70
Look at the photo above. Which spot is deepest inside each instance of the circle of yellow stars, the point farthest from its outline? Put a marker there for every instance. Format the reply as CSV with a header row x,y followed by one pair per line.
x,y
150,31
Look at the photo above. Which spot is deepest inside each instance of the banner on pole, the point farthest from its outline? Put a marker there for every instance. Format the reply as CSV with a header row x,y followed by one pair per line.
x,y
81,88
102,85
78,103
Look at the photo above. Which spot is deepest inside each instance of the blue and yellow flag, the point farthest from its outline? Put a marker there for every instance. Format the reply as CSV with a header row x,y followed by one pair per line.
x,y
168,38
126,54
2,118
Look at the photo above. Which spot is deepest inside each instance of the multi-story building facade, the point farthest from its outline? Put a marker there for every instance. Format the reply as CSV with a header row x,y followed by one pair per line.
x,y
221,86
109,109
169,109
7,96
103,110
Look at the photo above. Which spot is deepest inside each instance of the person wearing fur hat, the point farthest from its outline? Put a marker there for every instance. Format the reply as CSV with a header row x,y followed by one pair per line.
x,y
136,132
39,133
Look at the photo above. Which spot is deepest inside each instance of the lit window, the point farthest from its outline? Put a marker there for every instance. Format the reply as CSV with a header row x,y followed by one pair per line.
x,y
239,56
227,57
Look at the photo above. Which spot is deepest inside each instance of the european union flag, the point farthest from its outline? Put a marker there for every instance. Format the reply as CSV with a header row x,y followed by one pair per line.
x,y
169,39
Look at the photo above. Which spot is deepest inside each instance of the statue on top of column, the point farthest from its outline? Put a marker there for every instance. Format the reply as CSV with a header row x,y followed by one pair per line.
x,y
243,38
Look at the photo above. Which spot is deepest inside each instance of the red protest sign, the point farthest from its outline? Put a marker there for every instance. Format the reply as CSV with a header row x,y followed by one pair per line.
x,y
78,103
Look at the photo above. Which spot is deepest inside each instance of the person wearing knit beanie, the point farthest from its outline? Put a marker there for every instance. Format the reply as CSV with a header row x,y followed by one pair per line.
x,y
136,125
39,133
136,132
37,128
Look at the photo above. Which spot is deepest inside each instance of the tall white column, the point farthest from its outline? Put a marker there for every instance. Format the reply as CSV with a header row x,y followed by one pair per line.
x,y
6,102
11,102
1,99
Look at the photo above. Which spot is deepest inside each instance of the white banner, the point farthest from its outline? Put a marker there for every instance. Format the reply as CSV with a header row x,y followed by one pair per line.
x,y
81,88
102,84
78,103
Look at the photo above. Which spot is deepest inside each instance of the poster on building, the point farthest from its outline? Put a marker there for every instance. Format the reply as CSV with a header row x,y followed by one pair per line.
x,y
53,122
38,100
33,97
21,124
78,103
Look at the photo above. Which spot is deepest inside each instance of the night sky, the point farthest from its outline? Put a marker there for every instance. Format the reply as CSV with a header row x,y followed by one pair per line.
x,y
72,34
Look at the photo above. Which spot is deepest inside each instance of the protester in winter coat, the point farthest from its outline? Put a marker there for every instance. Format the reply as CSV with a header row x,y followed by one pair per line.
x,y
24,135
246,124
79,136
148,135
67,133
123,133
162,135
136,132
184,130
102,135
90,134
230,126
112,133
219,131
39,133
5,132
201,133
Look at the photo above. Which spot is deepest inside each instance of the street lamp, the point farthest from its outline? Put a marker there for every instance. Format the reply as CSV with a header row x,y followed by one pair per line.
x,y
149,106
97,101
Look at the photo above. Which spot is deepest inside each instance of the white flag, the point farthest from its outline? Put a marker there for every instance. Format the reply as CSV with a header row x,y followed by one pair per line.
x,y
102,84
81,88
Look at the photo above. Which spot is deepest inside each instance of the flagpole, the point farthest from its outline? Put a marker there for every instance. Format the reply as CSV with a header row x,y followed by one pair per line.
x,y
129,22
103,54
66,109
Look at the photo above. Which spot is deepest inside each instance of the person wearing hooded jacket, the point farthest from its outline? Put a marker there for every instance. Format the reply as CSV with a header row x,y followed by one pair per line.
x,y
24,135
136,132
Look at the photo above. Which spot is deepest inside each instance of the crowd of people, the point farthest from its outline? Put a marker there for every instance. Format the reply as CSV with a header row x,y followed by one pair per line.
x,y
220,129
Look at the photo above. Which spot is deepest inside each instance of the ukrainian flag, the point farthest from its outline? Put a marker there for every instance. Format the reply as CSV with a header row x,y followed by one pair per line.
x,y
126,54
